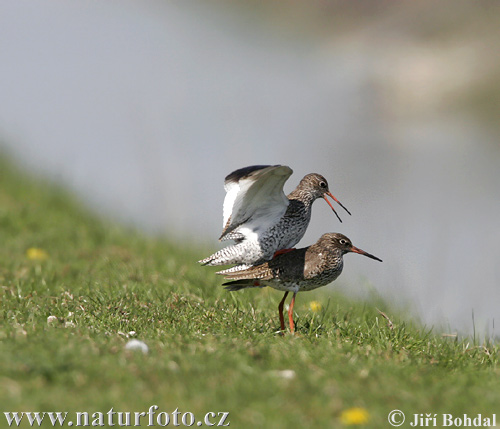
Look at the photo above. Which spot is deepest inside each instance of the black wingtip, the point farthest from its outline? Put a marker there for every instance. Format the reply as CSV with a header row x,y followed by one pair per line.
x,y
241,173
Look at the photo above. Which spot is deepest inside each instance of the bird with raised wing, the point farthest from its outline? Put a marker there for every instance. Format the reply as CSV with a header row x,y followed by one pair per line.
x,y
298,270
261,219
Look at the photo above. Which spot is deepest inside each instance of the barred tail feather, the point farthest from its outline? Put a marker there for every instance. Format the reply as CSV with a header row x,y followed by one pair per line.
x,y
222,257
234,269
236,236
235,254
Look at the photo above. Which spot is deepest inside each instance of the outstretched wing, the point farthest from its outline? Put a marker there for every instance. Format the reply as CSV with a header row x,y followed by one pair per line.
x,y
255,198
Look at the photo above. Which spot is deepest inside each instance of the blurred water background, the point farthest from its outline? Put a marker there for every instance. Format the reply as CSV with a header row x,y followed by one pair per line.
x,y
142,108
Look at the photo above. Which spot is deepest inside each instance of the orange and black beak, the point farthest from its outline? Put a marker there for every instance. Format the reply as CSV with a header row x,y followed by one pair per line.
x,y
337,201
362,252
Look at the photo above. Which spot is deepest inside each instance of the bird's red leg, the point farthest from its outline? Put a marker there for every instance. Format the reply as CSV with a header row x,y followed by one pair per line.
x,y
290,314
280,309
280,252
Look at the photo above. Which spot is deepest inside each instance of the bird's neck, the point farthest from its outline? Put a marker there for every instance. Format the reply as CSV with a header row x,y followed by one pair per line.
x,y
306,198
335,258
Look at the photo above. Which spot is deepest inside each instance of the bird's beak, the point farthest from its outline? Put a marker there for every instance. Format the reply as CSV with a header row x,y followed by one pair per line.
x,y
337,201
362,252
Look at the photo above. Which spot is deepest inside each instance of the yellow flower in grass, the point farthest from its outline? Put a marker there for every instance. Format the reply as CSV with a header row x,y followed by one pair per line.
x,y
36,254
354,416
315,306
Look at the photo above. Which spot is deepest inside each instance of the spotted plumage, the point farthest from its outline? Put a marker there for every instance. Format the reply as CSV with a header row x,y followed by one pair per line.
x,y
260,218
298,270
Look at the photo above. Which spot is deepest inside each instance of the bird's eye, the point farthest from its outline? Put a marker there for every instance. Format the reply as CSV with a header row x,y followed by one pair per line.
x,y
342,241
322,184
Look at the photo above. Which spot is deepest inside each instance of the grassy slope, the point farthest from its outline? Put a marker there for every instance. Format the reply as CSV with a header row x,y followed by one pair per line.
x,y
210,350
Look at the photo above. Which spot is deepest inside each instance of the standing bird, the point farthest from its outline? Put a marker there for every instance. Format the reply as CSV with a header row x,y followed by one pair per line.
x,y
298,270
261,219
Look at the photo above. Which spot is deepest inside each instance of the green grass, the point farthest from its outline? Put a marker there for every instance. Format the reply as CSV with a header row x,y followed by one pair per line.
x,y
210,350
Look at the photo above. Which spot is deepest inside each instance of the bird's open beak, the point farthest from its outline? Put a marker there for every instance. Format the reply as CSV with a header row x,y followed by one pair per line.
x,y
337,201
362,252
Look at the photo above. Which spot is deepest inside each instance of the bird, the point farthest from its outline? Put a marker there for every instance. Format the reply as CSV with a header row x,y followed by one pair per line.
x,y
299,270
261,219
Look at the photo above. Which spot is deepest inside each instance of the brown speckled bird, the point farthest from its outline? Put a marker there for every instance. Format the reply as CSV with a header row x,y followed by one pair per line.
x,y
298,270
260,218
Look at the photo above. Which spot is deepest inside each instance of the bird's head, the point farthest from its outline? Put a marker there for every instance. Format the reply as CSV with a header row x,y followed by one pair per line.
x,y
335,240
317,186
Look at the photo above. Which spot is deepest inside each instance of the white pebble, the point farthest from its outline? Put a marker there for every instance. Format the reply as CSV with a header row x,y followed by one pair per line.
x,y
52,319
286,374
137,345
